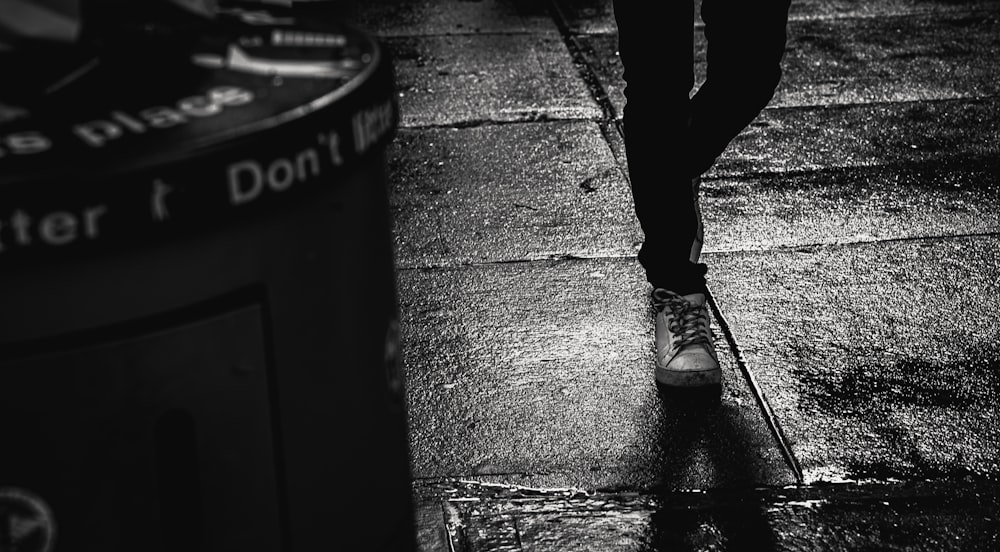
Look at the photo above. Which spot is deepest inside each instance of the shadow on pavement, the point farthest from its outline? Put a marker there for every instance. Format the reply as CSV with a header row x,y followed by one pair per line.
x,y
703,433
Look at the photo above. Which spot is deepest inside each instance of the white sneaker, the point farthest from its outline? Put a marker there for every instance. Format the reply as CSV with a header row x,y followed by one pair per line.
x,y
699,237
685,356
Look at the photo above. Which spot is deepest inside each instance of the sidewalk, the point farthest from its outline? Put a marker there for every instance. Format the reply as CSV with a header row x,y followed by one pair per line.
x,y
853,240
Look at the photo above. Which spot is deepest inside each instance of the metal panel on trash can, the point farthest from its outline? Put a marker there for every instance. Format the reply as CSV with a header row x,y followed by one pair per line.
x,y
131,443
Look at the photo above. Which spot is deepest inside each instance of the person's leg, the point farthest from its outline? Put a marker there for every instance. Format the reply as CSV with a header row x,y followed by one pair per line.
x,y
746,43
656,47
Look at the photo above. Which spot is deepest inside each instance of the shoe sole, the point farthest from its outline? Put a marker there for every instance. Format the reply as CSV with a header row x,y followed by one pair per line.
x,y
688,378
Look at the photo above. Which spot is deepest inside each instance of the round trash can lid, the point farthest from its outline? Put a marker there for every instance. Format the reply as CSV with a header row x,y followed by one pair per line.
x,y
122,149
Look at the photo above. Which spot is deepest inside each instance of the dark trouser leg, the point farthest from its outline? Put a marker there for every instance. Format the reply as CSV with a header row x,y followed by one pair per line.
x,y
656,45
746,42
670,139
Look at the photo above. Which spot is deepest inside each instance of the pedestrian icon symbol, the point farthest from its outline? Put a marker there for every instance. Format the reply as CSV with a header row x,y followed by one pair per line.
x,y
26,522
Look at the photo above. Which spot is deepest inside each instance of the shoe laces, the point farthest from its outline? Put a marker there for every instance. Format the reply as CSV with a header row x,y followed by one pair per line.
x,y
689,322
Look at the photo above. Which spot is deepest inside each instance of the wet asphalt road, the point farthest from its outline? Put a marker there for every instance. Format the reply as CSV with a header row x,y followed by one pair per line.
x,y
852,235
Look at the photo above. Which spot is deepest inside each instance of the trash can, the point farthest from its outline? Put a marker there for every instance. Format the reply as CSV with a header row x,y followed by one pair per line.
x,y
199,329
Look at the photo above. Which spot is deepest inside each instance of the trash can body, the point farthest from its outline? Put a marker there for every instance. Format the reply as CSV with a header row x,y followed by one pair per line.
x,y
199,346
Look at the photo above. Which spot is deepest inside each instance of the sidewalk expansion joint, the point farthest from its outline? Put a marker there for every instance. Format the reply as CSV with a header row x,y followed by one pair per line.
x,y
986,98
554,258
816,246
587,73
985,8
765,406
527,119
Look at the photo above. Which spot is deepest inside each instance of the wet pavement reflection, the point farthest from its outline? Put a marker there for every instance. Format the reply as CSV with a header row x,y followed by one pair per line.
x,y
852,239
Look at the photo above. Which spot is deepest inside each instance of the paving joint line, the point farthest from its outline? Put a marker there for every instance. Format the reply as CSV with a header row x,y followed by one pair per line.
x,y
587,74
765,406
827,245
979,9
478,123
882,103
777,249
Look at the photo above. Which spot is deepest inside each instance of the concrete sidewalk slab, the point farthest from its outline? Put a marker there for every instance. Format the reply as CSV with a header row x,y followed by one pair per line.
x,y
879,360
509,192
541,374
846,61
887,135
467,80
409,18
851,205
890,59
590,17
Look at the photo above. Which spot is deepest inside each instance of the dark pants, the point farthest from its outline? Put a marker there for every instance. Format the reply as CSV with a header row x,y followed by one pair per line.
x,y
671,137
